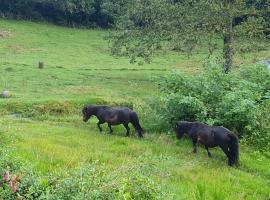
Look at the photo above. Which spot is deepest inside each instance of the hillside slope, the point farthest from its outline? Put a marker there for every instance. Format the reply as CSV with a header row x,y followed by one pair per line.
x,y
41,124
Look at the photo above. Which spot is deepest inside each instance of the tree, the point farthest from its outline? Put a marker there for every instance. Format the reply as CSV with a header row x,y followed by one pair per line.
x,y
113,9
149,25
74,13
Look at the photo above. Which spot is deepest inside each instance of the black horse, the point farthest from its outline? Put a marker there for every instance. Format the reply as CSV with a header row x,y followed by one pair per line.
x,y
113,116
210,136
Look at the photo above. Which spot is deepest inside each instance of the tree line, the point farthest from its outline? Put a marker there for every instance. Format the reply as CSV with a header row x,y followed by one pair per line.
x,y
146,26
190,25
72,13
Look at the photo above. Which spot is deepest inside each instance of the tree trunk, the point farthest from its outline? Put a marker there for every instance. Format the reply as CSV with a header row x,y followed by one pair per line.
x,y
228,47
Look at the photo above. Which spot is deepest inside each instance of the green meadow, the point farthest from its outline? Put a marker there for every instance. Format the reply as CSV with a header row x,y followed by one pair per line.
x,y
41,124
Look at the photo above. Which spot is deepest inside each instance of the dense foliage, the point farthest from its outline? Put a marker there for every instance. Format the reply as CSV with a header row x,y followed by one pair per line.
x,y
190,25
239,100
80,13
102,13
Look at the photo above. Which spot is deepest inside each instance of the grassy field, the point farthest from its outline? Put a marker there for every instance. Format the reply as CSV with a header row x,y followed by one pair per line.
x,y
41,124
77,60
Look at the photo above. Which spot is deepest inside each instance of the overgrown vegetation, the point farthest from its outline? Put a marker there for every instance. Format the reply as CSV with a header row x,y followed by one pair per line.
x,y
53,154
192,26
89,181
237,100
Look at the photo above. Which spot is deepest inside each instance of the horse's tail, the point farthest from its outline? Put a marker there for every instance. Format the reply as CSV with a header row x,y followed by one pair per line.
x,y
135,122
233,149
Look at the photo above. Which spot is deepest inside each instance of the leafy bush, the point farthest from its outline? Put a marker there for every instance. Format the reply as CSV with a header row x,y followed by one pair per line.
x,y
236,100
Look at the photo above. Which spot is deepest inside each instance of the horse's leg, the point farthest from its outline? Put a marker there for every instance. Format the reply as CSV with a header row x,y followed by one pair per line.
x,y
208,152
194,141
110,127
225,149
128,129
99,127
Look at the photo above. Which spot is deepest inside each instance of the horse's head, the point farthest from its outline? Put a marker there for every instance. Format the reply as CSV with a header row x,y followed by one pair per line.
x,y
87,113
179,129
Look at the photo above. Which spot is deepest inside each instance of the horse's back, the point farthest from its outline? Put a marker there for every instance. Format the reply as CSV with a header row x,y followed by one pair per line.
x,y
115,115
110,109
222,134
199,128
123,111
210,135
221,130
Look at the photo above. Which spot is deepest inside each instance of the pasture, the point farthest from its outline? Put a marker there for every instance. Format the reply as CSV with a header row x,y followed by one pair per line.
x,y
41,124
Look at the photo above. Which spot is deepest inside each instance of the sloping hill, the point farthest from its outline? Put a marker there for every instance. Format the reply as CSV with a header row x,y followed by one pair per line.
x,y
57,147
41,124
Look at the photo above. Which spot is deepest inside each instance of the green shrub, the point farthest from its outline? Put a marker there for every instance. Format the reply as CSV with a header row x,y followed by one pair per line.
x,y
236,100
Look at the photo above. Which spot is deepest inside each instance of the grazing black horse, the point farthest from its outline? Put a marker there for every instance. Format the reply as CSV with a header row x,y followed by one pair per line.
x,y
113,116
210,136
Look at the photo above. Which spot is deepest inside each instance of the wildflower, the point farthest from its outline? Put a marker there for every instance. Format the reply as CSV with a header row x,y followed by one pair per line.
x,y
6,177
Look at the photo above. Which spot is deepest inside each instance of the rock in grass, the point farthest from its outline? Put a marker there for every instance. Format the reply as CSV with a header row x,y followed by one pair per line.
x,y
5,94
266,62
4,34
